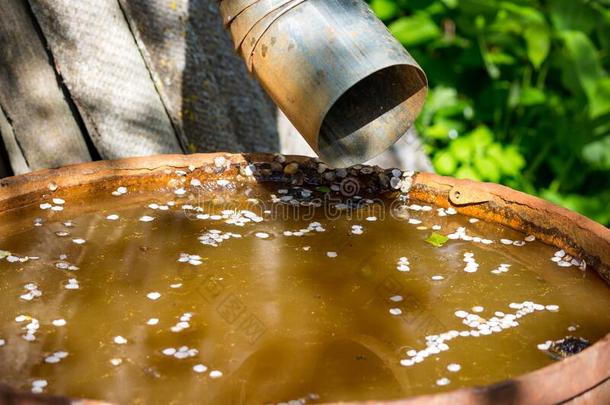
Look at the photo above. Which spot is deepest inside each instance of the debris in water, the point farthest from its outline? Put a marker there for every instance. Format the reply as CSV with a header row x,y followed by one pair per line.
x,y
437,239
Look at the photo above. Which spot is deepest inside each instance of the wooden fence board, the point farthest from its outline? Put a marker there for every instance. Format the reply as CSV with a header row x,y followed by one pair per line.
x,y
38,127
207,90
108,80
15,155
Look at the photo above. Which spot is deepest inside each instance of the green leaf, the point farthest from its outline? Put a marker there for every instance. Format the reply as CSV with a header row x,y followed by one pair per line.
x,y
527,14
479,7
444,163
467,172
583,57
462,149
414,30
598,153
488,169
436,239
500,58
482,136
323,189
599,103
538,41
450,3
385,9
530,96
441,128
4,253
568,15
512,161
442,102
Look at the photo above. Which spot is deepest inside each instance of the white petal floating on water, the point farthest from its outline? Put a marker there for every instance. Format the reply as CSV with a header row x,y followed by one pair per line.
x,y
112,217
120,340
443,381
38,386
59,322
200,368
357,230
146,218
56,357
153,296
454,368
27,297
72,284
406,362
116,362
331,254
79,241
215,374
170,351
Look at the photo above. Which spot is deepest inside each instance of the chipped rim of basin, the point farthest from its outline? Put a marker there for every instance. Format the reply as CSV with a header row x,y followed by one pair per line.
x,y
583,377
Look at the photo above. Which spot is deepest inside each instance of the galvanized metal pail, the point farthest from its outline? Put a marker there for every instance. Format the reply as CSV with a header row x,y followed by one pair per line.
x,y
341,78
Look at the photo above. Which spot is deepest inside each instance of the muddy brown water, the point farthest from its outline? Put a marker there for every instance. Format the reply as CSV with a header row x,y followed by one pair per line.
x,y
357,307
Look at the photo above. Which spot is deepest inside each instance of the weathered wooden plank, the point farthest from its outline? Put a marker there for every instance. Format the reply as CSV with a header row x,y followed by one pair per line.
x,y
15,155
37,125
206,88
103,69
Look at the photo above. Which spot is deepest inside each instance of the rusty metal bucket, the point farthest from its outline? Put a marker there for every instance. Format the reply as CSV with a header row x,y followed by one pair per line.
x,y
333,68
583,378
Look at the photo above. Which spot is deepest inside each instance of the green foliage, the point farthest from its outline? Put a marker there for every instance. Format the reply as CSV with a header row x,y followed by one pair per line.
x,y
519,92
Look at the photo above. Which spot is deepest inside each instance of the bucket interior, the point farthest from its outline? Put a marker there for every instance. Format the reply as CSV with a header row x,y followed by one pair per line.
x,y
372,115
